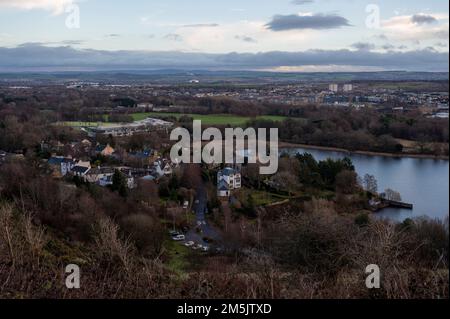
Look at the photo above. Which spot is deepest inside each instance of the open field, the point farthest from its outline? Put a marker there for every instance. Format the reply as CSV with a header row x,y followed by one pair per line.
x,y
214,119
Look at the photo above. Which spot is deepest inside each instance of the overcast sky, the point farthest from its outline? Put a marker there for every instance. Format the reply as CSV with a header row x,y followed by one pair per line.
x,y
307,35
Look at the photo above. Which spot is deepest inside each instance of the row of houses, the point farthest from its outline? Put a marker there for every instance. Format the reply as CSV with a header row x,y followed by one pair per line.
x,y
103,176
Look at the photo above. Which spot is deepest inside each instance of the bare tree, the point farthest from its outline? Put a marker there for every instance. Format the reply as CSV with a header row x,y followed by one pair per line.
x,y
392,195
370,183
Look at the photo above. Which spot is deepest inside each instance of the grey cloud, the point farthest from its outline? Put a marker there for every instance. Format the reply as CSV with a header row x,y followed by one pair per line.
x,y
443,34
316,21
173,37
423,19
302,2
201,25
72,42
381,37
363,46
388,47
245,38
393,47
441,44
37,56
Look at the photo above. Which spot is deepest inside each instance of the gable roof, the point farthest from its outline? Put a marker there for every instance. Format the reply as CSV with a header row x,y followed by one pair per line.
x,y
223,186
80,169
228,171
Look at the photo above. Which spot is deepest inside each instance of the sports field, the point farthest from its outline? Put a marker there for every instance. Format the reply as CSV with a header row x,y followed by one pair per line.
x,y
214,119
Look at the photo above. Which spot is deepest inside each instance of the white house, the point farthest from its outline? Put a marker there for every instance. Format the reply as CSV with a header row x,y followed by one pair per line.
x,y
227,180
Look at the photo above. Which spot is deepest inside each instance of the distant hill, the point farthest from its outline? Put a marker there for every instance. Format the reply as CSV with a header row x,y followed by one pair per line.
x,y
219,77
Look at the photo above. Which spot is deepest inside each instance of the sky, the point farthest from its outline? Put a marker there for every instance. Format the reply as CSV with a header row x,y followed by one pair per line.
x,y
281,35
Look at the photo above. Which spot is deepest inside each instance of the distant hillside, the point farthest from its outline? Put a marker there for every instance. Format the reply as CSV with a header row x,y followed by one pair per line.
x,y
215,77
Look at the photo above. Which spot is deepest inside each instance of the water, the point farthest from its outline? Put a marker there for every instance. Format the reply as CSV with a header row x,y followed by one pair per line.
x,y
422,182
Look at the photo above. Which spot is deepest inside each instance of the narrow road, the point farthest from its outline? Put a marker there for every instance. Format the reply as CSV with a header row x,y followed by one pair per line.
x,y
203,229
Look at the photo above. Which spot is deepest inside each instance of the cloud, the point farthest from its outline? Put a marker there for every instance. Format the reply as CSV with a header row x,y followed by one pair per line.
x,y
363,46
423,19
301,2
315,21
173,37
56,6
245,38
201,25
408,28
32,56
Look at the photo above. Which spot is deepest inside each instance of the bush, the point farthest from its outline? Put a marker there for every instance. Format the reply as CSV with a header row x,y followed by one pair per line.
x,y
362,219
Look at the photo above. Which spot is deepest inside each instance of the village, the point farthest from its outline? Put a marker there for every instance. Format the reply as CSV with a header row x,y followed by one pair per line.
x,y
86,161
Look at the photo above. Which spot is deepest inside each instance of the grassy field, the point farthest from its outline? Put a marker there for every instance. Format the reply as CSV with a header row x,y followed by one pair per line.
x,y
260,198
177,257
214,119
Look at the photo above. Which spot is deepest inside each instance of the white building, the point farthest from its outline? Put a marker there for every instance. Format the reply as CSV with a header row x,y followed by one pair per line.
x,y
348,87
334,87
227,180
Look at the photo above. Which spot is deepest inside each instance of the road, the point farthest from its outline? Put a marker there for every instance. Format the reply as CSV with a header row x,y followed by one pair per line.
x,y
203,229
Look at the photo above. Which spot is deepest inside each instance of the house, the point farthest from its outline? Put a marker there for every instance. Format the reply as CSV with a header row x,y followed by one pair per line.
x,y
80,171
86,143
107,180
227,180
99,173
62,165
105,150
223,189
145,157
164,167
231,176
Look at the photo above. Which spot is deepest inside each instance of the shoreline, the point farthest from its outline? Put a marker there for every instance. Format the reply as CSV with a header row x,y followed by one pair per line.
x,y
288,145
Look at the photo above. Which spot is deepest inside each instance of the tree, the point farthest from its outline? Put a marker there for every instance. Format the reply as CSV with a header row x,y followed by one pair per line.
x,y
392,195
309,170
370,183
284,181
330,168
346,182
119,183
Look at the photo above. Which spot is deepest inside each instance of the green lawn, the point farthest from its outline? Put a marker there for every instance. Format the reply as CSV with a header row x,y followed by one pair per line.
x,y
177,257
214,119
260,198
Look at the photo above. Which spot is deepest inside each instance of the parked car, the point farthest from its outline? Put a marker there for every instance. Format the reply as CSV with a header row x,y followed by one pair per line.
x,y
179,238
173,233
205,248
189,244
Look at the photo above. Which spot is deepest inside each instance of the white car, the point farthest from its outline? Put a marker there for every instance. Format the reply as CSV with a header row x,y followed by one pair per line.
x,y
189,244
205,248
179,238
